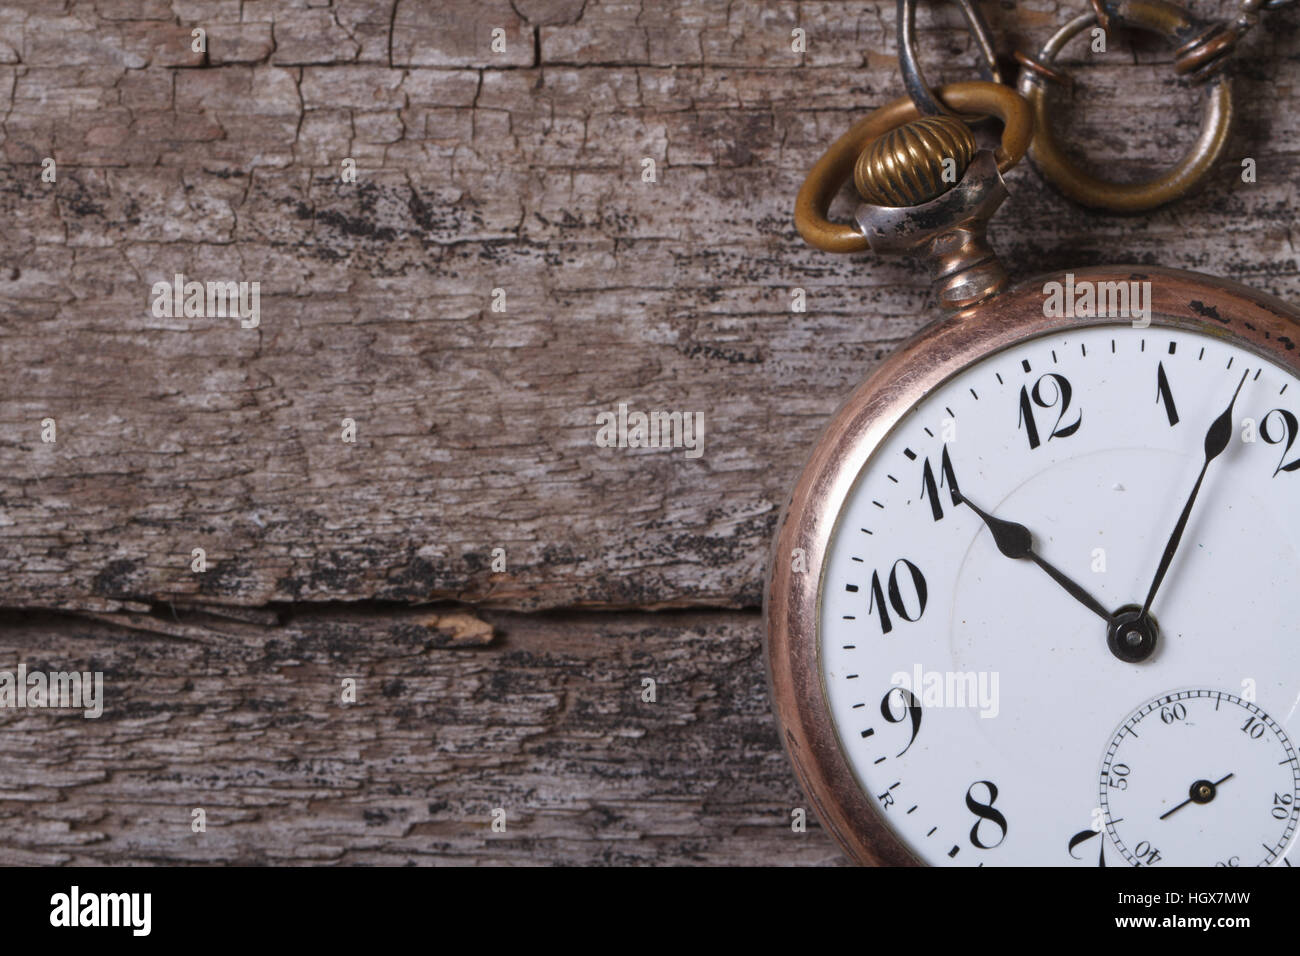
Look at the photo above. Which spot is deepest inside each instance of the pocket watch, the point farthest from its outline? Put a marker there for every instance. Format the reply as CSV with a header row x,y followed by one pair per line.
x,y
1033,600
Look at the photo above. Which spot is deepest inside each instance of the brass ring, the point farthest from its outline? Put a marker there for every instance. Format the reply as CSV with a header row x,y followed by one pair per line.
x,y
836,165
1155,16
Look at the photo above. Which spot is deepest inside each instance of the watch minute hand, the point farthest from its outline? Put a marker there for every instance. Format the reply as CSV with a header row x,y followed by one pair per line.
x,y
1216,442
1015,541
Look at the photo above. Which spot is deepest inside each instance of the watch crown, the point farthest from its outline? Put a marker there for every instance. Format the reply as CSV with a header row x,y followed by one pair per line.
x,y
915,162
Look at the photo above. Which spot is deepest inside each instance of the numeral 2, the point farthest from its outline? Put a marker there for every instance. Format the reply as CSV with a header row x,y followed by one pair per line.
x,y
1289,429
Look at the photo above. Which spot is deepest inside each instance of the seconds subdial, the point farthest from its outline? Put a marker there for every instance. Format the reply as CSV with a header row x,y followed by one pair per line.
x,y
1200,778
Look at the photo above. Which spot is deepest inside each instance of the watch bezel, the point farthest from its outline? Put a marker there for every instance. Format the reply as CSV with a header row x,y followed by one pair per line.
x,y
791,602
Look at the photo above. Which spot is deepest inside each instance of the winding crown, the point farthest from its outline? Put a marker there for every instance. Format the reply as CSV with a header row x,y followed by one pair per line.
x,y
914,163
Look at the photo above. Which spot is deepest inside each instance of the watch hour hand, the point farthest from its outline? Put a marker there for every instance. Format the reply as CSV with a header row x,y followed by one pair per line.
x,y
1015,541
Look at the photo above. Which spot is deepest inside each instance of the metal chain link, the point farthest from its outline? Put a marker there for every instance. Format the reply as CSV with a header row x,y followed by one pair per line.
x,y
1205,56
910,66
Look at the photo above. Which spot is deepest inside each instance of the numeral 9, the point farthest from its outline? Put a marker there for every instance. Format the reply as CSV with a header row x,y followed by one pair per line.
x,y
912,708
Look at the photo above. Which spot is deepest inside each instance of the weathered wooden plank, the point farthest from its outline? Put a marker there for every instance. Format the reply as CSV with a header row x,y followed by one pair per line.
x,y
547,722
520,171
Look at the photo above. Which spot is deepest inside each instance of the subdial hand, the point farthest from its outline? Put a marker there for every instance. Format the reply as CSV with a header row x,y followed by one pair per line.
x,y
1015,541
1202,791
1216,441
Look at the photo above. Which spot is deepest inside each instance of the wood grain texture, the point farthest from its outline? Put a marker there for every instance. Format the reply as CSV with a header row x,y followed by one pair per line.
x,y
545,721
518,170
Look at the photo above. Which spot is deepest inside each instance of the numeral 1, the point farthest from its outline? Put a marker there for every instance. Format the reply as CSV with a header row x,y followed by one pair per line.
x,y
1164,395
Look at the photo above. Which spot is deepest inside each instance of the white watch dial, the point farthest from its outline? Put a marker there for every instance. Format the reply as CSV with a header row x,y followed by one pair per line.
x,y
978,695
